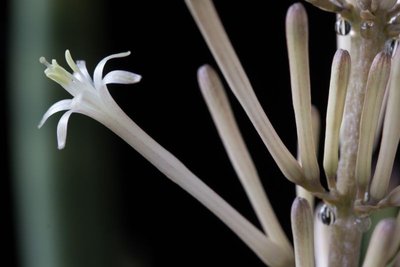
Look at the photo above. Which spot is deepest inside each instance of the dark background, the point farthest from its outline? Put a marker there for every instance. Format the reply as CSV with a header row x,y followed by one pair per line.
x,y
155,218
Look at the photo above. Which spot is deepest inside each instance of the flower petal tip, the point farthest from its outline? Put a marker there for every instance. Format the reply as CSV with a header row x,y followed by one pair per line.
x,y
40,124
122,77
61,146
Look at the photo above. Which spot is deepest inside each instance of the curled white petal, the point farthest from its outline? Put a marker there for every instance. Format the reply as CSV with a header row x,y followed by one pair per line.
x,y
57,107
79,71
98,71
62,129
70,61
82,67
121,77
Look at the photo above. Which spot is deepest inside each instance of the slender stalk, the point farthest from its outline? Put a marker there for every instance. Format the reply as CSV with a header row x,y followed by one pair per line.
x,y
267,250
218,104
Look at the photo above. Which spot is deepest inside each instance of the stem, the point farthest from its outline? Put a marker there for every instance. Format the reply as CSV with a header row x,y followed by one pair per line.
x,y
362,53
345,237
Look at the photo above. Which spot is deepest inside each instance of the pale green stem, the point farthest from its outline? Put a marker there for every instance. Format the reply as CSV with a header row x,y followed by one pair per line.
x,y
345,240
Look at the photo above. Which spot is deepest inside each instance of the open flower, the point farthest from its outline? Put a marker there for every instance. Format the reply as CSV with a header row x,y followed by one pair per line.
x,y
90,96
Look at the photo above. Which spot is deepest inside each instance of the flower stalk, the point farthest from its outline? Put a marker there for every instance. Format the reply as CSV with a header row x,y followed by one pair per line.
x,y
91,98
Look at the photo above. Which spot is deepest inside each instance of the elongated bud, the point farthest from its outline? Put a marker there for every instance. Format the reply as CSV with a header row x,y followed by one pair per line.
x,y
297,43
381,243
390,135
210,25
337,94
218,104
303,233
316,123
375,89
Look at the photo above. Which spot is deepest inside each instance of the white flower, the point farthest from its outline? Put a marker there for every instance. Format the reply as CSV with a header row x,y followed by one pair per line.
x,y
90,96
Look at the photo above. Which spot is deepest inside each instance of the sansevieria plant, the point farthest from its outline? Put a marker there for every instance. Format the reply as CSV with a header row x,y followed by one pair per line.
x,y
362,115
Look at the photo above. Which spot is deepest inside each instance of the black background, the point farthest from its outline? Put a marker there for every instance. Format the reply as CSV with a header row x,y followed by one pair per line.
x,y
171,227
